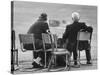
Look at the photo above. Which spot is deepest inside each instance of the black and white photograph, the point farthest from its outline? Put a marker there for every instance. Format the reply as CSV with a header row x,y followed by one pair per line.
x,y
53,37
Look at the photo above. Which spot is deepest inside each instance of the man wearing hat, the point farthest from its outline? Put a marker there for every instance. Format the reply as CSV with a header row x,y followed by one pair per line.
x,y
39,27
70,34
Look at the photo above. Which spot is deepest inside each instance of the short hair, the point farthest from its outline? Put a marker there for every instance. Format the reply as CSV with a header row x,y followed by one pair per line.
x,y
75,16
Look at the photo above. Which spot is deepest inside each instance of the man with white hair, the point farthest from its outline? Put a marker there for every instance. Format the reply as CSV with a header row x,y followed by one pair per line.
x,y
70,34
75,16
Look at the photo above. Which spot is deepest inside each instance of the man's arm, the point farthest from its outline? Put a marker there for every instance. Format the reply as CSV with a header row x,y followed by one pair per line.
x,y
83,26
90,29
65,35
46,28
87,28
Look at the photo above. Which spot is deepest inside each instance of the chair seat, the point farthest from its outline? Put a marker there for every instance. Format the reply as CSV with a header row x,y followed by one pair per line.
x,y
38,50
49,50
58,49
61,51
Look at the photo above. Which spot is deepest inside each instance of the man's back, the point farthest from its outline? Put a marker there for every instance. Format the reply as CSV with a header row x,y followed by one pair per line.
x,y
38,28
72,30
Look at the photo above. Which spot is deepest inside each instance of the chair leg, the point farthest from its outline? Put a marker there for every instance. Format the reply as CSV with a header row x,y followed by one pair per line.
x,y
33,56
17,58
79,59
13,57
69,62
45,60
67,67
55,60
12,62
66,60
52,57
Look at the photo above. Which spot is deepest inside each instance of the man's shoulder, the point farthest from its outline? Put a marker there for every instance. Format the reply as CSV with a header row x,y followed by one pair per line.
x,y
82,23
68,26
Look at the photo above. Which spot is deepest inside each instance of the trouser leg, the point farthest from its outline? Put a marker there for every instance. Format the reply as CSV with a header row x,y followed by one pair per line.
x,y
75,56
88,55
48,58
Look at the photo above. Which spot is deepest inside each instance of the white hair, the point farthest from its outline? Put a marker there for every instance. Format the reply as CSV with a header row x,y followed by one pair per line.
x,y
75,16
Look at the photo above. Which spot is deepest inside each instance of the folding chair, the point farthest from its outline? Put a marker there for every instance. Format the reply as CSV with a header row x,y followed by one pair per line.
x,y
83,36
27,39
46,38
58,51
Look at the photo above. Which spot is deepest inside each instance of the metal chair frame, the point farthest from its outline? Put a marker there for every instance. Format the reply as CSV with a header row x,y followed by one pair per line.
x,y
53,42
46,38
83,36
27,39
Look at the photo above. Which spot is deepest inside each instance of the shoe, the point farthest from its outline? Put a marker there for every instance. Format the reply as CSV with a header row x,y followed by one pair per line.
x,y
88,62
35,65
76,65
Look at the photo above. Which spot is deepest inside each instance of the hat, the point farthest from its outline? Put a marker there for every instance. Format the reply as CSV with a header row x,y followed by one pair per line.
x,y
43,15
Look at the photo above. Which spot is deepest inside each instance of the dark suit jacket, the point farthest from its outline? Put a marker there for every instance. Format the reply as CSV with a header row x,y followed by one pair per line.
x,y
71,34
72,30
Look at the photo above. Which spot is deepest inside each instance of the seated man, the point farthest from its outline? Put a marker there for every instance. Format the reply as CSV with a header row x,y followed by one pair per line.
x,y
39,27
70,34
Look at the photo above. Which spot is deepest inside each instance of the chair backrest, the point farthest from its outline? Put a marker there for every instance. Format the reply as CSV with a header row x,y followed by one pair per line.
x,y
26,39
83,36
46,38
